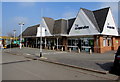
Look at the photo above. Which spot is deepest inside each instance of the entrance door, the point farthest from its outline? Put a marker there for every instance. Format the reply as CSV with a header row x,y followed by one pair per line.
x,y
87,44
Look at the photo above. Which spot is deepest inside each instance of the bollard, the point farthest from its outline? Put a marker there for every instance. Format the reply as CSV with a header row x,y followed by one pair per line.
x,y
90,51
62,49
78,50
53,48
69,49
48,47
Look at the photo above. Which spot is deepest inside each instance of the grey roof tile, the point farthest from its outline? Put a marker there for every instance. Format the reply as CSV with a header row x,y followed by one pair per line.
x,y
30,31
100,16
60,26
70,23
50,23
91,16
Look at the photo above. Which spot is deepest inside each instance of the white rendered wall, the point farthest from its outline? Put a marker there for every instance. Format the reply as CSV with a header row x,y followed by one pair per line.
x,y
43,24
83,20
110,22
39,32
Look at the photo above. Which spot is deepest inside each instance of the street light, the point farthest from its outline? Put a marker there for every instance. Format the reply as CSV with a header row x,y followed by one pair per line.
x,y
41,36
21,25
14,33
40,41
10,43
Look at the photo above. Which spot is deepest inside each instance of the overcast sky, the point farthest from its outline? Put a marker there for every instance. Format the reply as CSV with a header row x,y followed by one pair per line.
x,y
30,12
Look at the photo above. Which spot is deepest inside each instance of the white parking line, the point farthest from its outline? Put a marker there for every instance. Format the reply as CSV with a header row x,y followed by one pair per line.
x,y
28,54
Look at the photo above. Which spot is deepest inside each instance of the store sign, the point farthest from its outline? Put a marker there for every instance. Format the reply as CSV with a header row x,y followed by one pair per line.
x,y
82,27
110,27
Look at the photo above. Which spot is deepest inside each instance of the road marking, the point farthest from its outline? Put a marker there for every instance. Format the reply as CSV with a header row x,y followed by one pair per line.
x,y
28,54
54,52
43,58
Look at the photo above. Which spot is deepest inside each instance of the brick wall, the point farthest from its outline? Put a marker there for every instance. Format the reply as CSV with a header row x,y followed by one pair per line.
x,y
100,48
118,38
96,47
114,43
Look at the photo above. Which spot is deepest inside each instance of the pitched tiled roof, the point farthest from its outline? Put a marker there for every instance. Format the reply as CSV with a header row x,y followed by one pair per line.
x,y
60,26
70,23
91,16
100,16
30,31
50,23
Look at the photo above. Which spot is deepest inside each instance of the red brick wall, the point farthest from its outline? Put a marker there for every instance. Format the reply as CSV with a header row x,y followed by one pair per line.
x,y
114,43
106,48
96,47
118,38
100,42
101,49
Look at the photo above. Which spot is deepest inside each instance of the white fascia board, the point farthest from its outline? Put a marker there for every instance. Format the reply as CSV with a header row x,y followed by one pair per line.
x,y
47,32
109,35
60,34
110,23
86,34
48,35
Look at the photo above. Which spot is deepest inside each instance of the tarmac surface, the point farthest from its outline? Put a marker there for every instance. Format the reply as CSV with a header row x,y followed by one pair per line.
x,y
18,68
94,62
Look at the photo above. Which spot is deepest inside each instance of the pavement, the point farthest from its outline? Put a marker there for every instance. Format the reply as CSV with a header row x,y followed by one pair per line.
x,y
95,62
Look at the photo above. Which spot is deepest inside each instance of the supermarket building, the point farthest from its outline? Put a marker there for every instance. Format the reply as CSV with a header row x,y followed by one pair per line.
x,y
89,30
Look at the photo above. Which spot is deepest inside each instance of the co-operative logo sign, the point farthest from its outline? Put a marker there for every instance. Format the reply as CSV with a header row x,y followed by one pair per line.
x,y
82,27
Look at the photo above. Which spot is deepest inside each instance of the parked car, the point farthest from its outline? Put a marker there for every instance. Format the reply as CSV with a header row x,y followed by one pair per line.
x,y
116,65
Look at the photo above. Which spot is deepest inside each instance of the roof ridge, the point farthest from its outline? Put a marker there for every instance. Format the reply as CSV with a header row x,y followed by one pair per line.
x,y
86,9
60,19
101,9
96,21
93,20
33,25
72,18
100,16
48,17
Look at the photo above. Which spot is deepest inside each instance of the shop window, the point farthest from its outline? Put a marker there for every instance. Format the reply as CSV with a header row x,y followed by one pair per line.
x,y
109,41
97,41
91,42
104,42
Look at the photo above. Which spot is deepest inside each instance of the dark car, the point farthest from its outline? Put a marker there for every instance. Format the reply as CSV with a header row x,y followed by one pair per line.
x,y
116,65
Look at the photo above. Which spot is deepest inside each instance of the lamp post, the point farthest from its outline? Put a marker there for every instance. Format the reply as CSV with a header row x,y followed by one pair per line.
x,y
10,43
40,41
21,25
41,36
14,34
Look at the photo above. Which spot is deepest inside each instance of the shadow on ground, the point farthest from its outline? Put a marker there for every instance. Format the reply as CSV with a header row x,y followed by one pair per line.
x,y
106,66
15,62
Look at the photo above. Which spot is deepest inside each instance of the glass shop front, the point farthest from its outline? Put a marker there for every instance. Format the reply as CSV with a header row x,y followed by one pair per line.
x,y
84,44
